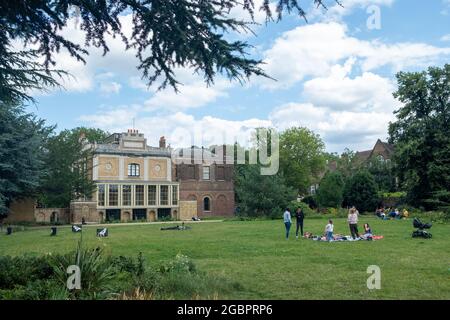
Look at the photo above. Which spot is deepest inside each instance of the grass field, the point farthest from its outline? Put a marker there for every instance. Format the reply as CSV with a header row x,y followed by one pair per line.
x,y
256,255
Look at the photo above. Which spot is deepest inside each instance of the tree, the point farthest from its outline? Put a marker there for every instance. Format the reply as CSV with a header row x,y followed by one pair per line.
x,y
347,163
21,160
302,157
166,34
421,136
261,195
361,191
331,190
383,173
69,166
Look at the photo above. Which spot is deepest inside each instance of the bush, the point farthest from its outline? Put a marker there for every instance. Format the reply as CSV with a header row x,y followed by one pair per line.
x,y
310,201
306,209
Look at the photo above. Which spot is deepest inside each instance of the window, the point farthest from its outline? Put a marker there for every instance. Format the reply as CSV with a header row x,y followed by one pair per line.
x,y
113,195
190,172
101,195
206,204
152,195
174,195
133,170
206,173
126,195
139,195
164,195
220,173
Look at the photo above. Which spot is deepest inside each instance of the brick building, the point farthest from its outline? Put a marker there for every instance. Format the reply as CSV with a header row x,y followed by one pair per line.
x,y
382,151
206,179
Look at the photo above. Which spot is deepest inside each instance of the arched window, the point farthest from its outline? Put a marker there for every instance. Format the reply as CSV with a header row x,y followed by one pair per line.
x,y
206,204
133,170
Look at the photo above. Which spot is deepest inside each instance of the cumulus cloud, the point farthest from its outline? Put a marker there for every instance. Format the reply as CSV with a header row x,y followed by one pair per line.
x,y
339,129
312,51
179,128
339,91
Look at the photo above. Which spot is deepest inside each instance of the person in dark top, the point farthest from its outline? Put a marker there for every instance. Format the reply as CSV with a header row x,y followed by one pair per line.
x,y
300,216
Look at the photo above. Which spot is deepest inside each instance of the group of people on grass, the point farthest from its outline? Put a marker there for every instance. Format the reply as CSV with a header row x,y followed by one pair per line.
x,y
352,220
391,213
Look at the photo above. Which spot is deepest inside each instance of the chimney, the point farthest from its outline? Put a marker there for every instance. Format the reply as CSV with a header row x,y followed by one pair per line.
x,y
162,142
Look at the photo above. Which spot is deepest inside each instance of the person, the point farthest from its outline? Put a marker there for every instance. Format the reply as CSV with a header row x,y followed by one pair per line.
x,y
329,230
300,216
287,221
367,232
353,222
405,213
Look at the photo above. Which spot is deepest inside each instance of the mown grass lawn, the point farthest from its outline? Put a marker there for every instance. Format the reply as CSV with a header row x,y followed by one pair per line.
x,y
256,255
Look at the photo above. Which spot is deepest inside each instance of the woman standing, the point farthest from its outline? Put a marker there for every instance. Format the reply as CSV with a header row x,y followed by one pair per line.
x,y
300,217
353,222
287,221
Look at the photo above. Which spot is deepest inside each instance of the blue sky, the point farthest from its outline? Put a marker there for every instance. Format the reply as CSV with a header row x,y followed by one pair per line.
x,y
335,76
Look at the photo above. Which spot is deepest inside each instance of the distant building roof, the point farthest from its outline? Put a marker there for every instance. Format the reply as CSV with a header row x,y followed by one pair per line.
x,y
381,148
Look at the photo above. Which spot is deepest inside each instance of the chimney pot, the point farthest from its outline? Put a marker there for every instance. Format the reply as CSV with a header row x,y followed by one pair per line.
x,y
162,142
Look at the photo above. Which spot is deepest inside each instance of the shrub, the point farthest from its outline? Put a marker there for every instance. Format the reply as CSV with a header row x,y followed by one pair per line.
x,y
311,201
96,271
306,209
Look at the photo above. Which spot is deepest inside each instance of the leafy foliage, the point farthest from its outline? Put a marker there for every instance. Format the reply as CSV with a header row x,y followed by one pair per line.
x,y
21,158
331,190
361,191
68,165
302,158
166,34
420,134
261,195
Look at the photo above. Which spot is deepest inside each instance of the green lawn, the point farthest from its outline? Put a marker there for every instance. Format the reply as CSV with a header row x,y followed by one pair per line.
x,y
256,255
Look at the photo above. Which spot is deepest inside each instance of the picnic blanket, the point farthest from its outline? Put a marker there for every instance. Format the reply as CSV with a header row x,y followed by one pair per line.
x,y
340,238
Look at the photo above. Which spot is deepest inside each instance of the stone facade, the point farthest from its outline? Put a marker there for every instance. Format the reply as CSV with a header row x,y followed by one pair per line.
x,y
134,181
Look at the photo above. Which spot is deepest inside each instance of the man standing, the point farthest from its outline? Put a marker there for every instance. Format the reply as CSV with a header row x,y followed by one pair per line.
x,y
300,216
287,221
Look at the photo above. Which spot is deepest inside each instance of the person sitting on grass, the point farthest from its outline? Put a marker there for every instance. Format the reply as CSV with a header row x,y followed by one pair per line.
x,y
405,214
329,230
367,232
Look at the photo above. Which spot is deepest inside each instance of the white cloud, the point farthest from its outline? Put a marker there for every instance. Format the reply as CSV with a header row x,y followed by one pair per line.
x,y
338,91
191,95
313,50
179,128
446,37
339,129
110,87
336,12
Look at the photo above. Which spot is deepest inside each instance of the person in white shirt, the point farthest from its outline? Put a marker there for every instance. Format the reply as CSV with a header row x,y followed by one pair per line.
x,y
287,221
353,222
329,228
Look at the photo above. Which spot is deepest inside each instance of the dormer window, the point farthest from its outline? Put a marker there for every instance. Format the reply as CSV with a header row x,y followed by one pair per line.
x,y
133,170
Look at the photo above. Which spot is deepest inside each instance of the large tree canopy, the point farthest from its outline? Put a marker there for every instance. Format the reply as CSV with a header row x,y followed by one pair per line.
x,y
69,167
421,136
166,34
302,158
22,136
